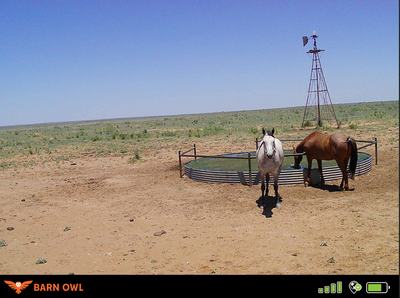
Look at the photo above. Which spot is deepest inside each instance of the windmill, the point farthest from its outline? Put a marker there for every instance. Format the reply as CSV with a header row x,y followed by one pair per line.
x,y
318,105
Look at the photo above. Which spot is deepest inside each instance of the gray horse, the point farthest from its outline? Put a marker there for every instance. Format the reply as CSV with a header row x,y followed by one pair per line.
x,y
270,158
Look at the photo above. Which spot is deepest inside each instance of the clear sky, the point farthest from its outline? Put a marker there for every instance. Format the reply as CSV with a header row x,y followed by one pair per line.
x,y
85,60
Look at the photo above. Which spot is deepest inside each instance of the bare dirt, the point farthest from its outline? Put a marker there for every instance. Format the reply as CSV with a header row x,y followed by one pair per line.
x,y
105,216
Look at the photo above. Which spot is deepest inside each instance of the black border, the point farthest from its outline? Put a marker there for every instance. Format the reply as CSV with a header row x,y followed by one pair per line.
x,y
210,285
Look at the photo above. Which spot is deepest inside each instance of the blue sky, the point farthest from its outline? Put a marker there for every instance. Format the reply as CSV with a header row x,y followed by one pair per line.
x,y
85,60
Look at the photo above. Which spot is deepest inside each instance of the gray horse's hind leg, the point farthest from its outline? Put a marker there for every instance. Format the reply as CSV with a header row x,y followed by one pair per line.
x,y
262,184
263,193
261,201
278,204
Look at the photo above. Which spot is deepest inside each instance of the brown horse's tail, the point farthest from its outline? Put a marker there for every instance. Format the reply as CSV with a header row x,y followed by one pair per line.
x,y
351,144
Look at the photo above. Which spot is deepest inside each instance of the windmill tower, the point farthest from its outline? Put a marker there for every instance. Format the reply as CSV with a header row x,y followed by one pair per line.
x,y
318,105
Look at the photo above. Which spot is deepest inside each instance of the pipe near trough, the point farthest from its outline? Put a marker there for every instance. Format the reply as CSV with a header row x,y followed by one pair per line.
x,y
180,164
250,180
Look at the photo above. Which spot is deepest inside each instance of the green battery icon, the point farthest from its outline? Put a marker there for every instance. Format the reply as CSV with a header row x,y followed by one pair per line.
x,y
377,287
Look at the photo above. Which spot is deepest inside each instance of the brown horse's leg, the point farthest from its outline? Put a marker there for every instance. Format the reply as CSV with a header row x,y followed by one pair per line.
x,y
308,172
345,180
320,171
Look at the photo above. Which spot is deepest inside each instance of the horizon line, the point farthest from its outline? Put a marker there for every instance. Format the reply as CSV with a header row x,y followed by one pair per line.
x,y
166,115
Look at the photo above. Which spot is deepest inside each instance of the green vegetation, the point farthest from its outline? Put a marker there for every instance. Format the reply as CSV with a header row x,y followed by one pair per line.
x,y
41,260
353,126
135,158
136,138
308,124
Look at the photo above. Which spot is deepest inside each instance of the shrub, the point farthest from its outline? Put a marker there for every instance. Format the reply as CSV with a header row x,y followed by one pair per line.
x,y
168,133
196,133
136,158
41,260
3,243
143,134
307,124
212,130
353,126
254,130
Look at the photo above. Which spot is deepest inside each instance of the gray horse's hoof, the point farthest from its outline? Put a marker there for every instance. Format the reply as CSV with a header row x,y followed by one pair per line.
x,y
278,205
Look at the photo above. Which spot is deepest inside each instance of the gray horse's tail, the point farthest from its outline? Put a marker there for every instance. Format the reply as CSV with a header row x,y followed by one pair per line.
x,y
351,145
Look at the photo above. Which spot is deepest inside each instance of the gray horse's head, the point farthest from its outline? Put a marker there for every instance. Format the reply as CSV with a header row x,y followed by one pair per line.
x,y
269,143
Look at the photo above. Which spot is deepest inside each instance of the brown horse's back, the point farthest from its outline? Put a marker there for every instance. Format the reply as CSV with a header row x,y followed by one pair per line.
x,y
325,147
339,142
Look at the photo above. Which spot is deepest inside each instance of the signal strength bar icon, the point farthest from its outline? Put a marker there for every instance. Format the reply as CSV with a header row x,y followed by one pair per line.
x,y
333,288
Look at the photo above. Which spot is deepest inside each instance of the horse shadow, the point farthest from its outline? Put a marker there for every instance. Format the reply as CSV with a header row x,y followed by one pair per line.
x,y
267,203
330,188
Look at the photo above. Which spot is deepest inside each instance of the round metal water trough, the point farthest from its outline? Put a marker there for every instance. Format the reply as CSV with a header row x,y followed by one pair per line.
x,y
233,171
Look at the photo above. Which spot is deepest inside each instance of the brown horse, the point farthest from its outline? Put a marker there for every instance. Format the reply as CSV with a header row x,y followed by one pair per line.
x,y
327,147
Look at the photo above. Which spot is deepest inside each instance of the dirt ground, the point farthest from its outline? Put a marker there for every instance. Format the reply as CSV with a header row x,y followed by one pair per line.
x,y
115,213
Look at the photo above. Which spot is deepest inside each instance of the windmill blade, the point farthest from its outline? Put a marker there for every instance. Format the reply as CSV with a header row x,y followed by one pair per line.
x,y
305,40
